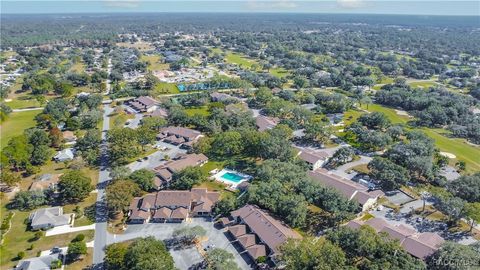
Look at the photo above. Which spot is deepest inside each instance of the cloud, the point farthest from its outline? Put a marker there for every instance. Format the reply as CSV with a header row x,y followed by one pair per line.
x,y
269,5
350,3
122,3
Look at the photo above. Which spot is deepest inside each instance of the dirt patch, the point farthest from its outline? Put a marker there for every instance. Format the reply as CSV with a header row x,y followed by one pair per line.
x,y
402,113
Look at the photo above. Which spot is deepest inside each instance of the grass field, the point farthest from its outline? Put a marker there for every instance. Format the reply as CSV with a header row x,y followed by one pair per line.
x,y
166,88
422,84
390,113
279,72
141,46
78,67
154,63
22,103
459,147
203,110
16,123
235,58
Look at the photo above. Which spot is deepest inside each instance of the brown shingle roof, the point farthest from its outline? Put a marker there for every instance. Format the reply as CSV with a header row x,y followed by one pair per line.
x,y
171,198
312,157
247,240
271,231
179,213
188,133
163,212
257,251
419,245
139,214
45,181
146,101
264,122
238,230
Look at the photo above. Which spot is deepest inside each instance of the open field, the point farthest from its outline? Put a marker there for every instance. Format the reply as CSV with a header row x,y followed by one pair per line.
x,y
78,67
197,110
16,123
23,102
141,46
154,63
235,58
389,112
166,88
422,84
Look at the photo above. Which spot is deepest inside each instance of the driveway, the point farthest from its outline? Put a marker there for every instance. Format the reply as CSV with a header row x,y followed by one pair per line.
x,y
156,159
68,229
135,122
164,231
343,170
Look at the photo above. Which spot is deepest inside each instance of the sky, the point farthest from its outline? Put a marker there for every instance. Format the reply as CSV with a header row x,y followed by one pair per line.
x,y
425,7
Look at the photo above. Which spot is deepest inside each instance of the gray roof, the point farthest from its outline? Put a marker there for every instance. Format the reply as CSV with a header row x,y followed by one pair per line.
x,y
50,216
37,263
64,154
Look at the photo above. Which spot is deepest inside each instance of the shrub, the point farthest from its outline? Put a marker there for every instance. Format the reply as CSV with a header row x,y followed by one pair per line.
x,y
56,264
38,235
79,238
21,255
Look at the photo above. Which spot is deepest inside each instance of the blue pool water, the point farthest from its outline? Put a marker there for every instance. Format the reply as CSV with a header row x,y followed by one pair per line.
x,y
232,177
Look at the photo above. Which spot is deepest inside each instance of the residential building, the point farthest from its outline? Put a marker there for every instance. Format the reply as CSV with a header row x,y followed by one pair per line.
x,y
185,137
165,172
46,218
351,190
143,104
172,205
315,159
257,232
419,245
69,137
39,263
220,97
45,181
264,122
64,155
160,112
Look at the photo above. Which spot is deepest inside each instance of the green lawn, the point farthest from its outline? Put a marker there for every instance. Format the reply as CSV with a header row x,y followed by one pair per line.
x,y
154,63
20,239
203,110
78,67
235,58
15,124
211,165
389,112
166,88
22,103
279,72
422,84
459,147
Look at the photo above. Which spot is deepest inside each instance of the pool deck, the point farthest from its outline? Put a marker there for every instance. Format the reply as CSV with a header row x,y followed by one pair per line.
x,y
233,185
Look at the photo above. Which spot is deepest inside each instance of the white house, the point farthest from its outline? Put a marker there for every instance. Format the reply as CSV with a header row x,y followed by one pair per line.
x,y
46,218
64,155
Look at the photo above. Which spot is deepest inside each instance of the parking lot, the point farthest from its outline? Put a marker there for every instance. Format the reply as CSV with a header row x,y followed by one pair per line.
x,y
158,158
186,257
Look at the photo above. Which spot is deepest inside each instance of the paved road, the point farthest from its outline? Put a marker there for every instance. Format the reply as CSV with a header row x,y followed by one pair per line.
x,y
343,170
101,215
27,109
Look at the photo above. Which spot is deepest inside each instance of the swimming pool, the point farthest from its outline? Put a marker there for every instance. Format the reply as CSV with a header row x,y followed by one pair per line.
x,y
232,177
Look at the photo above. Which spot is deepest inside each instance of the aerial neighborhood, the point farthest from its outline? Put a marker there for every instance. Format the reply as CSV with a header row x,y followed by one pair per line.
x,y
254,141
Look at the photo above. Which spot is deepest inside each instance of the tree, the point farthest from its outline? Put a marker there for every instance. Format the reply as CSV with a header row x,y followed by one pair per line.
x,y
9,178
40,155
453,207
466,187
217,259
453,256
342,156
390,175
120,193
74,186
227,143
154,123
311,253
318,131
28,200
76,249
144,179
472,212
189,234
56,137
148,254
187,178
374,120
225,205
115,256
366,249
18,152
120,173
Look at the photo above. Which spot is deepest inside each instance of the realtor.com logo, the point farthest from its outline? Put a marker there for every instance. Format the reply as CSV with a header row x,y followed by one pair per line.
x,y
456,262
